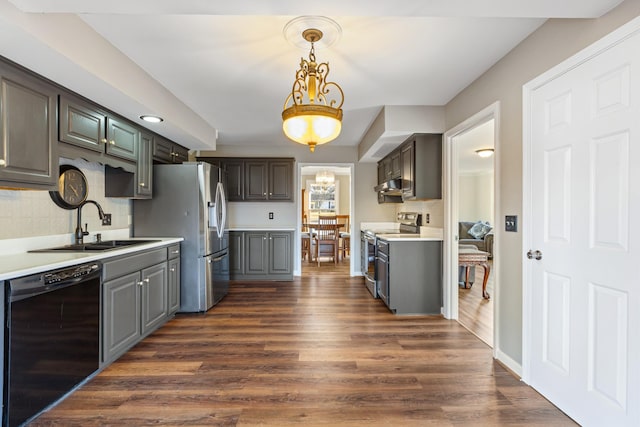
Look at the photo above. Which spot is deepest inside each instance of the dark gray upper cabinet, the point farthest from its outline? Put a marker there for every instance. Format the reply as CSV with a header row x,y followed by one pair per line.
x,y
132,185
165,151
122,139
235,178
389,167
421,159
85,125
144,168
82,125
28,148
280,180
257,179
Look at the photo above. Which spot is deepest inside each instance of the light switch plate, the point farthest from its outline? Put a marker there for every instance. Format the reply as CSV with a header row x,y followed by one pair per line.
x,y
511,223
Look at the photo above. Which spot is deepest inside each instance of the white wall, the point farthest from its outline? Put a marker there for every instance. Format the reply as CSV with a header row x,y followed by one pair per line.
x,y
553,42
33,213
475,202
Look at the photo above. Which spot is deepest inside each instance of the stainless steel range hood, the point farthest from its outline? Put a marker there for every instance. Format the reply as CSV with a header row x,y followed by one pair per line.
x,y
389,191
393,187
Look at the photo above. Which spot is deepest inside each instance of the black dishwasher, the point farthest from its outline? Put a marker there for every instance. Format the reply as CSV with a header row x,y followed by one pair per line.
x,y
52,334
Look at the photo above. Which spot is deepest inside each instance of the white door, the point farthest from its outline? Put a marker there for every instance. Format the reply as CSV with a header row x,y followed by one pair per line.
x,y
584,327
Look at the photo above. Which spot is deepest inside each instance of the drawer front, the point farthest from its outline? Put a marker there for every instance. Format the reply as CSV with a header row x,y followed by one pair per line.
x,y
174,251
129,263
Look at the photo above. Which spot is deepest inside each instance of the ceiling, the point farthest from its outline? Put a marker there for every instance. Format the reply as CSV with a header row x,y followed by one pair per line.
x,y
219,71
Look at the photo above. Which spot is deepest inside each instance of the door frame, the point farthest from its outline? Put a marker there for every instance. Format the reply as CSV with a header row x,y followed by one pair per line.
x,y
297,271
450,174
596,48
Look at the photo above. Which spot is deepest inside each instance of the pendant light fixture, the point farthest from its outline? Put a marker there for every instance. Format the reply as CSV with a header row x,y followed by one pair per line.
x,y
312,113
325,177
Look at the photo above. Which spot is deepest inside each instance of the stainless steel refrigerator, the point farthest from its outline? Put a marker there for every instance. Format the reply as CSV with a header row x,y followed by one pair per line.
x,y
189,201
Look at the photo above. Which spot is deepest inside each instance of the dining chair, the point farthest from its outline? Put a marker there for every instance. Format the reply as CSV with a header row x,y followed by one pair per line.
x,y
327,238
345,235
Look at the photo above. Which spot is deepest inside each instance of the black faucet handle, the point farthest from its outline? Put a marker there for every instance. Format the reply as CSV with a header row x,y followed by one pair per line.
x,y
85,232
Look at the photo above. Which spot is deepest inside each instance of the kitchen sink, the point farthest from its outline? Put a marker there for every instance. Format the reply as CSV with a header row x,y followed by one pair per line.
x,y
104,245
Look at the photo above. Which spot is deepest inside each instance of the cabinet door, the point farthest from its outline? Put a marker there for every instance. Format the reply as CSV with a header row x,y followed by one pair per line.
x,y
381,172
407,158
144,167
396,166
162,150
28,147
280,253
236,253
255,182
82,125
256,251
122,139
154,297
280,180
180,154
235,179
120,315
173,286
382,282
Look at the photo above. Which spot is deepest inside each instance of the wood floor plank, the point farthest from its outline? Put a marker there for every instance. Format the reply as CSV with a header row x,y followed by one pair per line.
x,y
318,351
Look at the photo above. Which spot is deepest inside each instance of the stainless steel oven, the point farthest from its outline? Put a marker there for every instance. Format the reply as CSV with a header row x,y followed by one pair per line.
x,y
368,262
407,223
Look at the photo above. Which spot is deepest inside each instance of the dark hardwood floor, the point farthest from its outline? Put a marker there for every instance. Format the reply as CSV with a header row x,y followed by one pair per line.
x,y
315,351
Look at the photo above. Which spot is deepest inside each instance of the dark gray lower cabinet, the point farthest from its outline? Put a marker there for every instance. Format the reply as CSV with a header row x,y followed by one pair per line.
x,y
261,255
173,286
135,294
407,286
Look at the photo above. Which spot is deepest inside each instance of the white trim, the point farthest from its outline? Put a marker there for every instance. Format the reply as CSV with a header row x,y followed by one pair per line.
x,y
450,255
297,260
509,363
610,40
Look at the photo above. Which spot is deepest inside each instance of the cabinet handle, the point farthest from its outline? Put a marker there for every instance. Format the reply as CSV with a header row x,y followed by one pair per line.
x,y
3,162
142,184
175,252
173,269
112,142
271,194
146,280
140,284
264,194
103,140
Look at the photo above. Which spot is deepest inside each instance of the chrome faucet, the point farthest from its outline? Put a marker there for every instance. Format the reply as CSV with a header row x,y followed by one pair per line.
x,y
80,233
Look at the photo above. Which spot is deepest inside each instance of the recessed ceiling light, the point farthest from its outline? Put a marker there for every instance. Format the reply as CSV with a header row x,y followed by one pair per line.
x,y
151,119
485,152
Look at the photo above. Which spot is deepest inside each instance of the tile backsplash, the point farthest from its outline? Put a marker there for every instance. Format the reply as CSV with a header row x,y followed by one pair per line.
x,y
33,213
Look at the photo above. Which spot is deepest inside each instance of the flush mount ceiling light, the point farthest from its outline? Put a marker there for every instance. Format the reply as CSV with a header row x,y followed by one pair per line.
x,y
312,113
485,152
325,177
151,119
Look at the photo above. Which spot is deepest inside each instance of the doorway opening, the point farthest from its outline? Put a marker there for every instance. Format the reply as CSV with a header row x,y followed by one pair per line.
x,y
325,191
471,194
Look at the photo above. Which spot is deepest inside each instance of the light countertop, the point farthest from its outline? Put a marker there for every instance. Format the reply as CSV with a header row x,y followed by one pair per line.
x,y
256,228
26,263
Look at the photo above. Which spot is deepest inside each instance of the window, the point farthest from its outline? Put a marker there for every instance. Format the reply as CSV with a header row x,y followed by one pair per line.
x,y
323,199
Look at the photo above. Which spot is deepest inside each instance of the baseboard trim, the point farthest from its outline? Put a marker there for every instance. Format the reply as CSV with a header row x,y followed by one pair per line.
x,y
509,363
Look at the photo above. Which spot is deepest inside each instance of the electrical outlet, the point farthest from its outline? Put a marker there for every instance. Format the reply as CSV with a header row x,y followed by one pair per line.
x,y
426,219
511,223
270,215
107,219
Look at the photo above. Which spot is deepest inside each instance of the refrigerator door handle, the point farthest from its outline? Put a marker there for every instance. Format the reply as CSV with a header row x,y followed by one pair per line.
x,y
220,210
